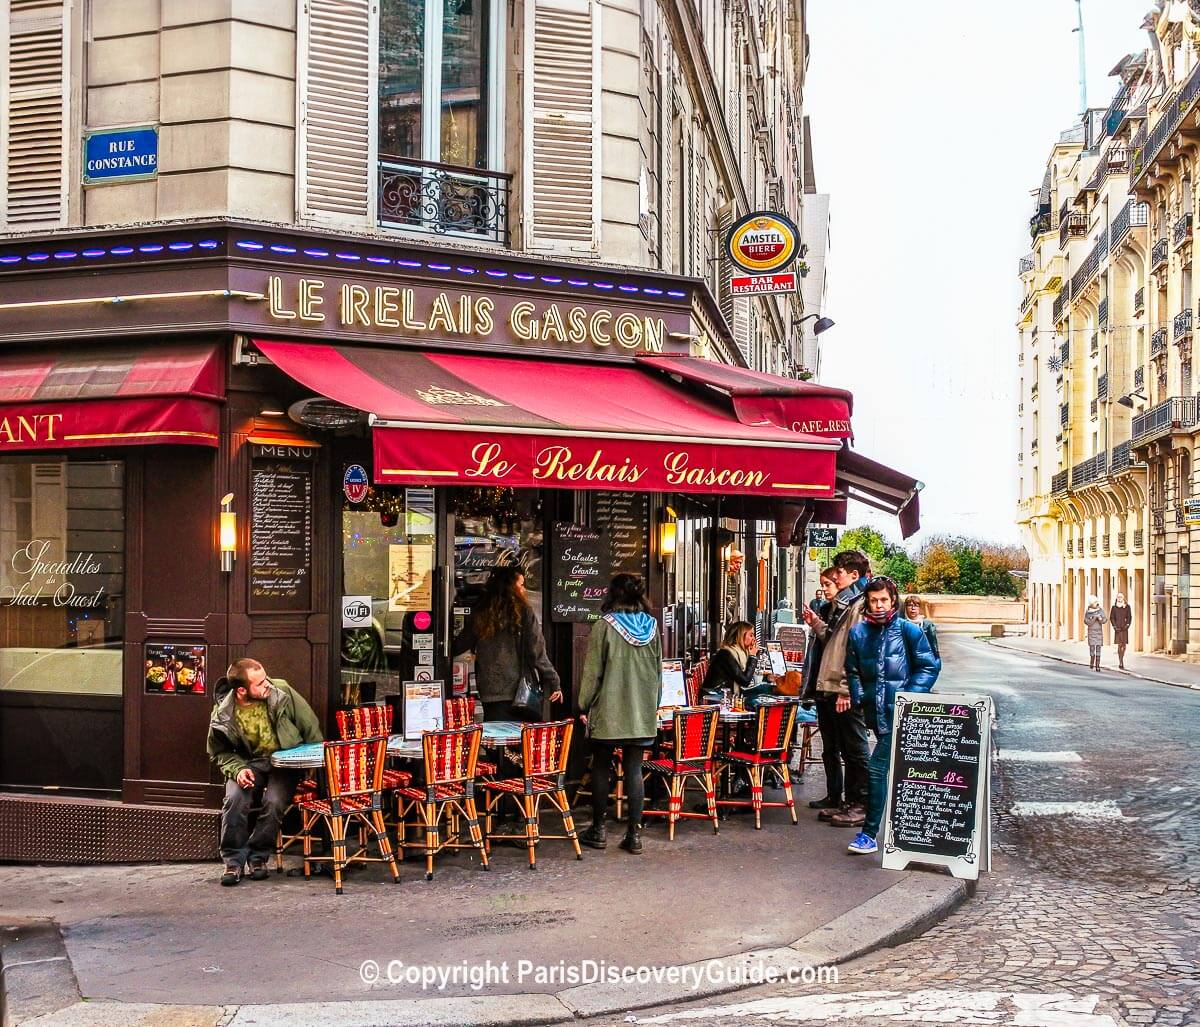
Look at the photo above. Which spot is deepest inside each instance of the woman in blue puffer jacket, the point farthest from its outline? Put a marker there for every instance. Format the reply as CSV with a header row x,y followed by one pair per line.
x,y
885,654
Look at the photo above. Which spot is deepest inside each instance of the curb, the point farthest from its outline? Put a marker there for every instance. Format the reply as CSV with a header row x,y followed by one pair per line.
x,y
38,986
1003,644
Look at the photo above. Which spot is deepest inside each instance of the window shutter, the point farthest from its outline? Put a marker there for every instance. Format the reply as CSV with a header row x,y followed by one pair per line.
x,y
562,119
337,83
35,114
668,175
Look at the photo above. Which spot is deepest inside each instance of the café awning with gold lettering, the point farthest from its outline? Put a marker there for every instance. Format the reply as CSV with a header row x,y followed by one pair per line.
x,y
150,394
465,419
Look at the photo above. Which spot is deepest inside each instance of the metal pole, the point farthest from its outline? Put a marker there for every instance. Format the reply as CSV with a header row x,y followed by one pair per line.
x,y
1083,105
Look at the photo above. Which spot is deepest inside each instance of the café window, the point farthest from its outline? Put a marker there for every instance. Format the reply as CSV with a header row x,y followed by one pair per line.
x,y
496,528
441,110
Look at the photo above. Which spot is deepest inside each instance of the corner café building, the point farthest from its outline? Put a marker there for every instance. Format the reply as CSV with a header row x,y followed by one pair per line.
x,y
220,440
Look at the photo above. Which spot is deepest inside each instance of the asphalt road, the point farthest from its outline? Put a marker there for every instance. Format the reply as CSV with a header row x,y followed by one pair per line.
x,y
1091,917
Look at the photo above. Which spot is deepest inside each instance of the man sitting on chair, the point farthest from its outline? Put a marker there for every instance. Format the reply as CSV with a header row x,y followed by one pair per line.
x,y
254,716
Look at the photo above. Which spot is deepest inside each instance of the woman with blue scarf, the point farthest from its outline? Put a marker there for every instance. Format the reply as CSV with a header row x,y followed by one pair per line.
x,y
885,654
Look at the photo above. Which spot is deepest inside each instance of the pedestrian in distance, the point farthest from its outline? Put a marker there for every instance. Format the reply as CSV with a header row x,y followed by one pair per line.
x,y
1120,617
843,734
618,701
886,654
1094,620
913,611
254,717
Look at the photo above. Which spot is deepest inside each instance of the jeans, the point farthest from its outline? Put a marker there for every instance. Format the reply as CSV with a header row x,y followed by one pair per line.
x,y
831,748
631,763
877,775
272,792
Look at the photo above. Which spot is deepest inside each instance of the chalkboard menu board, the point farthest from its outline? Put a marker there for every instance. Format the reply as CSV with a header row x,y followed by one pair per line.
x,y
625,518
937,809
280,535
579,572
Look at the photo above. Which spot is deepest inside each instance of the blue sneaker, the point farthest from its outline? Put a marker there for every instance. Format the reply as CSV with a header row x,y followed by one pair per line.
x,y
863,845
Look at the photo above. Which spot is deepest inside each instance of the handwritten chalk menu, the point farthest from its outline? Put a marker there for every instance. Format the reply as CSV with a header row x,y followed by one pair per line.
x,y
625,518
938,786
579,565
280,535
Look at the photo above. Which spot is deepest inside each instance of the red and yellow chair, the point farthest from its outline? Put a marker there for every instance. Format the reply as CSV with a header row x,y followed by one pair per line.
x,y
690,760
774,729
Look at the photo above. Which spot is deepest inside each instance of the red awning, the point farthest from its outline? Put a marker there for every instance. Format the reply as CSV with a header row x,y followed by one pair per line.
x,y
876,485
452,418
110,397
760,398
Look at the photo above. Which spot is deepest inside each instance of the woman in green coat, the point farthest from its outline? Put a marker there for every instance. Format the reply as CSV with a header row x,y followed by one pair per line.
x,y
618,701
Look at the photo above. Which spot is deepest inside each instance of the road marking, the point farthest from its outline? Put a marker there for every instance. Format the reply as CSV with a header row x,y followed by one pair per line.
x,y
927,1006
1105,809
1032,756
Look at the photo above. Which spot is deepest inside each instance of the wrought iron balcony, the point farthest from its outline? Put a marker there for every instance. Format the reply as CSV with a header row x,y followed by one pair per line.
x,y
1158,255
1064,414
1093,408
1102,388
1132,215
1139,377
1060,306
1158,342
1175,108
1089,267
1071,226
1070,547
1043,221
443,199
1089,471
1157,519
1139,539
1172,415
1092,546
1183,324
1094,345
1102,313
1106,544
1139,300
1027,265
1058,484
1121,458
1182,230
1122,543
1064,352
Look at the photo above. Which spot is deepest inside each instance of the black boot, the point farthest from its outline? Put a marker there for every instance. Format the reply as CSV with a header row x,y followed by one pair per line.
x,y
632,842
595,837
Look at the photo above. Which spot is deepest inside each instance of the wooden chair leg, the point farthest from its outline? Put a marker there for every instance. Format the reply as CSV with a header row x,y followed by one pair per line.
x,y
787,791
756,794
385,843
710,797
305,821
337,832
560,800
401,828
529,808
431,837
673,805
477,838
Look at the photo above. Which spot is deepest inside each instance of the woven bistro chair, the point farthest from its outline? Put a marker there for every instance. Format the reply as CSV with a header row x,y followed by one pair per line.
x,y
460,712
774,728
354,771
689,760
448,793
544,750
370,722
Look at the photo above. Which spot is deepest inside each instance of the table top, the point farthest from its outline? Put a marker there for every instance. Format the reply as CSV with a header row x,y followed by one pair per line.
x,y
312,756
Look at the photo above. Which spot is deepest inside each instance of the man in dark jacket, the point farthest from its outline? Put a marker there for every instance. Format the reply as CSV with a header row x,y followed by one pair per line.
x,y
255,717
886,654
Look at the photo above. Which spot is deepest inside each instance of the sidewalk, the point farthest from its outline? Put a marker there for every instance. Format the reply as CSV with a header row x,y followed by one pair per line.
x,y
1138,665
170,937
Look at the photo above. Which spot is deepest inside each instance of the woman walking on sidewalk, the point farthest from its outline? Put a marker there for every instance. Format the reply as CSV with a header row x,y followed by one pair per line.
x,y
1094,620
1121,617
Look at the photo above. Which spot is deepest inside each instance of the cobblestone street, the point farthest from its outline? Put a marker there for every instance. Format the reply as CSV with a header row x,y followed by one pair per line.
x,y
1091,916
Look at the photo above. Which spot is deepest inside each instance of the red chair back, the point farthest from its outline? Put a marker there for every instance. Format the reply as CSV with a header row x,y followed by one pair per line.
x,y
545,746
776,725
458,712
364,721
695,732
355,767
450,755
695,680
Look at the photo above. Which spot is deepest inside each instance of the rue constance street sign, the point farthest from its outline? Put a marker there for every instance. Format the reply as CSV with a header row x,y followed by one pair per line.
x,y
120,154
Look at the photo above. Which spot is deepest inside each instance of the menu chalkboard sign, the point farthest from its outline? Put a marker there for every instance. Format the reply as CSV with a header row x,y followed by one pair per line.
x,y
280,535
938,786
579,572
625,518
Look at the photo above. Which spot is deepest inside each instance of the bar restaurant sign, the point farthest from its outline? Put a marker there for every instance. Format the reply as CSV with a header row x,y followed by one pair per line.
x,y
763,244
120,154
341,306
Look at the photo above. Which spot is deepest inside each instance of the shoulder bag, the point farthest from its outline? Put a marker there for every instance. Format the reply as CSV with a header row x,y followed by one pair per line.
x,y
530,698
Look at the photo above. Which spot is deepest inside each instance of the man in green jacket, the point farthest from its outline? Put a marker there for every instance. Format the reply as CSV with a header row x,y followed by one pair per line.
x,y
254,718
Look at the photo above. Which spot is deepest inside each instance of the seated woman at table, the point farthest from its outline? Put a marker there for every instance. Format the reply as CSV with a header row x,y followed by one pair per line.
x,y
618,701
504,634
733,666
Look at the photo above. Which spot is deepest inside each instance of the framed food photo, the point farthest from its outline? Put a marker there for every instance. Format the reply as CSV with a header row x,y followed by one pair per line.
x,y
176,669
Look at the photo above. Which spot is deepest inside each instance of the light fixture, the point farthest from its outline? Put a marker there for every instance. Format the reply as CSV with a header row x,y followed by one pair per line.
x,y
1129,397
668,535
228,536
271,412
823,323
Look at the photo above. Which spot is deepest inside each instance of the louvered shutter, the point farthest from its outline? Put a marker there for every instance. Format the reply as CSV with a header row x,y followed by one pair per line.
x,y
562,126
336,142
699,218
669,174
35,113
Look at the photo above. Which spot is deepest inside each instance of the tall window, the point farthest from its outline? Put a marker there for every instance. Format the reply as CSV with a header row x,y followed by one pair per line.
x,y
437,80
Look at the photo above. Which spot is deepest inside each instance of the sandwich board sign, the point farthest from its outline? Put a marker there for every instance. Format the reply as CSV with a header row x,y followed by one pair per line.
x,y
938,802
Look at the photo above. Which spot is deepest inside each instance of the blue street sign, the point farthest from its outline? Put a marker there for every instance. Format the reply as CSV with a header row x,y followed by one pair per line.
x,y
120,154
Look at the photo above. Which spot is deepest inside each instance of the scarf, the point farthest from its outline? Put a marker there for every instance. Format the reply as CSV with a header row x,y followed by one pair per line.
x,y
739,654
879,618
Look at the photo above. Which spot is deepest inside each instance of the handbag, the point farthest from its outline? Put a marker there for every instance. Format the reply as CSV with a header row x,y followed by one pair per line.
x,y
529,698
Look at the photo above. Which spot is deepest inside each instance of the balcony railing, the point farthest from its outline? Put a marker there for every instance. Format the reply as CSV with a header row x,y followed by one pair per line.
x,y
1122,543
1139,539
1132,215
1183,323
1060,306
1092,546
1158,342
1064,414
1121,459
1070,547
1093,409
1071,225
1158,255
1139,300
442,199
1058,484
1174,109
1182,231
1102,313
1139,377
1089,471
1175,414
1102,388
1064,352
1106,544
1091,264
1094,345
1026,265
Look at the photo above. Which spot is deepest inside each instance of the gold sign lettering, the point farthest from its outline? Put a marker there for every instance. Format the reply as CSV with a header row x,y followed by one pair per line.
x,y
488,461
275,299
679,473
311,299
558,463
23,428
820,427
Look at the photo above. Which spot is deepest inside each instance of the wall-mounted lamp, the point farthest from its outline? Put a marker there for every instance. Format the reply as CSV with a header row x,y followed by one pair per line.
x,y
228,540
823,323
1127,400
668,535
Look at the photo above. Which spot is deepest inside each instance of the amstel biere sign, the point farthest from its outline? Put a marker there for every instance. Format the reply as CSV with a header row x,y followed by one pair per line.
x,y
763,243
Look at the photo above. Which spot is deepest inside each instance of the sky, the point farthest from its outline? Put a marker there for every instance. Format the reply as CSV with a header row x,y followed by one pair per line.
x,y
932,121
